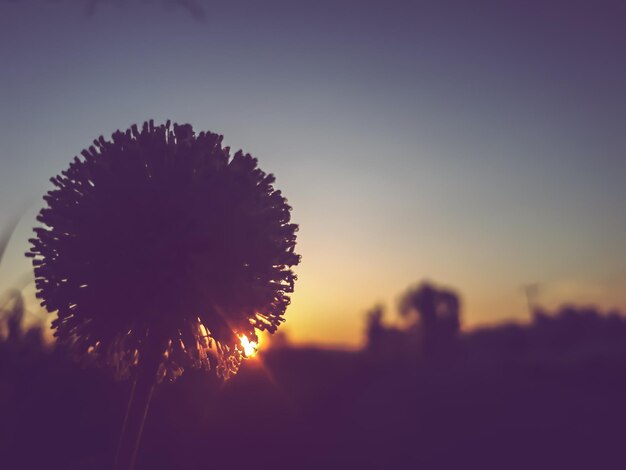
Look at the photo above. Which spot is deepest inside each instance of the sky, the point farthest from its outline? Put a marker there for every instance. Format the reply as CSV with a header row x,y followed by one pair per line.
x,y
479,145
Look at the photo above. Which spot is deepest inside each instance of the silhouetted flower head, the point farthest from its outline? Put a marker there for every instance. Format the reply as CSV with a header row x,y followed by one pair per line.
x,y
159,239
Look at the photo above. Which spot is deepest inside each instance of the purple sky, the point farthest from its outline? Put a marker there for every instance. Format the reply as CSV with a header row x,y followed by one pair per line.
x,y
477,144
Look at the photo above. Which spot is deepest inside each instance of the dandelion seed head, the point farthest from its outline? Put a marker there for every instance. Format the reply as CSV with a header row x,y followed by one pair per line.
x,y
160,237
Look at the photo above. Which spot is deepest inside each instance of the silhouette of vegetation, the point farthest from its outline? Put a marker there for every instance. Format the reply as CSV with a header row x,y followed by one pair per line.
x,y
432,325
436,315
546,394
160,252
386,343
13,333
13,315
567,334
158,245
5,235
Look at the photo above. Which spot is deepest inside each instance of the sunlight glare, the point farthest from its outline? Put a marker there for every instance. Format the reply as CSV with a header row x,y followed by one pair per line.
x,y
250,348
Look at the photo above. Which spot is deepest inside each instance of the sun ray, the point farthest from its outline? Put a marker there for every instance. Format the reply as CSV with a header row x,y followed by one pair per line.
x,y
250,348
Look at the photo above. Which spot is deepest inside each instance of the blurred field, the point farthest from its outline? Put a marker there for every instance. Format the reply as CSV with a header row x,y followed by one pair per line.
x,y
511,397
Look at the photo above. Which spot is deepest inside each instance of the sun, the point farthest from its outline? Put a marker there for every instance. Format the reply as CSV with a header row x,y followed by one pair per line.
x,y
250,348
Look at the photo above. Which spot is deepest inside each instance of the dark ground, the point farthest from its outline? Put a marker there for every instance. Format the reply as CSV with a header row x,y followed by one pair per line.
x,y
511,397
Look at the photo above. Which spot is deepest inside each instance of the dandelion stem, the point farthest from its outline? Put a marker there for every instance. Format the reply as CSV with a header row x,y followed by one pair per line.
x,y
136,412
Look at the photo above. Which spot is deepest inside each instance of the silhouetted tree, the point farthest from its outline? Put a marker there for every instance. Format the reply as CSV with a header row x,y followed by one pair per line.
x,y
13,315
435,314
375,330
574,326
386,343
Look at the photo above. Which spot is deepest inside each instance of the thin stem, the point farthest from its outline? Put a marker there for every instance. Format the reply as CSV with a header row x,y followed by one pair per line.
x,y
136,412
123,431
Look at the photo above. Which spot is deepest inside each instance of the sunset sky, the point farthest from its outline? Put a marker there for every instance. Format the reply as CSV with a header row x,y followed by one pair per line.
x,y
481,145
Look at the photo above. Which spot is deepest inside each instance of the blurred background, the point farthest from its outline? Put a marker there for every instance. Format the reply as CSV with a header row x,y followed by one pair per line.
x,y
457,171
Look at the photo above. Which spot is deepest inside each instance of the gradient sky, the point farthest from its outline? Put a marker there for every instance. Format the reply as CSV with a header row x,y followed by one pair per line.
x,y
477,144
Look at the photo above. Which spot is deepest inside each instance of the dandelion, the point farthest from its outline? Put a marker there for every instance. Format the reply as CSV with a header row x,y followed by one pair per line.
x,y
159,251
